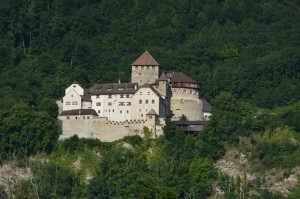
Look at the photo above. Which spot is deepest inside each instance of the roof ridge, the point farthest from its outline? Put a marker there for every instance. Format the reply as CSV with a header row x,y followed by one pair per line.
x,y
145,59
162,77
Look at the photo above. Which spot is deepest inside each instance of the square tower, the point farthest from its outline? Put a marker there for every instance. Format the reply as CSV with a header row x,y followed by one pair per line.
x,y
144,69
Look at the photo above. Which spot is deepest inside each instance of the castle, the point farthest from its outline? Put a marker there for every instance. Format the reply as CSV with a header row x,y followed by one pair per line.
x,y
114,110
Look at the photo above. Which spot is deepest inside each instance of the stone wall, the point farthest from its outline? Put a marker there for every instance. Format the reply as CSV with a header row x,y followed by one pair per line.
x,y
102,129
144,74
189,105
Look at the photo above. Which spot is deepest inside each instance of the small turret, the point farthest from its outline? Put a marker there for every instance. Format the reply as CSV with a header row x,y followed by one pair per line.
x,y
162,84
152,119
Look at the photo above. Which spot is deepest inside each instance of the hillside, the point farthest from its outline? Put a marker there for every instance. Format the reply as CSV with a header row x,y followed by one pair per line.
x,y
249,49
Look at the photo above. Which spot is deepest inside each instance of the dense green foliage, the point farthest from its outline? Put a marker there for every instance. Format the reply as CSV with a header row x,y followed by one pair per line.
x,y
176,165
248,48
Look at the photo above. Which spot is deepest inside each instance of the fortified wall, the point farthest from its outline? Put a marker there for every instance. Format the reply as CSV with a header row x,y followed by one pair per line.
x,y
104,130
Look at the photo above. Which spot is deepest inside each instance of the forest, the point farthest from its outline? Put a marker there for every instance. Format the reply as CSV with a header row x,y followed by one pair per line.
x,y
244,54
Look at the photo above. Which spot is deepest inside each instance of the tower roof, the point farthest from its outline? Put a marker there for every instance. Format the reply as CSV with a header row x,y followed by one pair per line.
x,y
151,112
162,77
145,59
180,77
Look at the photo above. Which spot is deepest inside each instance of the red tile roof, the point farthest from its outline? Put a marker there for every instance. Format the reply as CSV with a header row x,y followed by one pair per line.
x,y
145,59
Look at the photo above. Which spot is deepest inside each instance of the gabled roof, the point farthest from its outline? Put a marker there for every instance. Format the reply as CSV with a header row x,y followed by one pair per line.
x,y
79,112
180,77
206,106
162,77
145,59
151,112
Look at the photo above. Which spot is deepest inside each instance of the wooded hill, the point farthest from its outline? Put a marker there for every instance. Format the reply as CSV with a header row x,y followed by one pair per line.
x,y
250,49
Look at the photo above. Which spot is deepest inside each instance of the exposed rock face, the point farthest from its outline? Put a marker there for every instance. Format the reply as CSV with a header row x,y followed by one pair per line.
x,y
279,184
234,164
77,164
11,176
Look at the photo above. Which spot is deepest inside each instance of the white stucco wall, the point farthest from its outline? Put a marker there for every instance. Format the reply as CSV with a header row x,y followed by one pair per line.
x,y
143,101
71,100
116,107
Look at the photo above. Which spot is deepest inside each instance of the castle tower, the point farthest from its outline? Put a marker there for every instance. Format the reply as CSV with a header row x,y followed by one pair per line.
x,y
144,69
185,97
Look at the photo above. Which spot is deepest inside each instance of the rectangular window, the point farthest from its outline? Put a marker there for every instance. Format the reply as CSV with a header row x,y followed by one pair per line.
x,y
121,103
120,111
141,93
109,96
68,103
141,115
98,103
148,93
88,117
153,101
99,111
146,101
68,117
74,103
122,96
128,103
109,103
127,111
127,96
140,101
